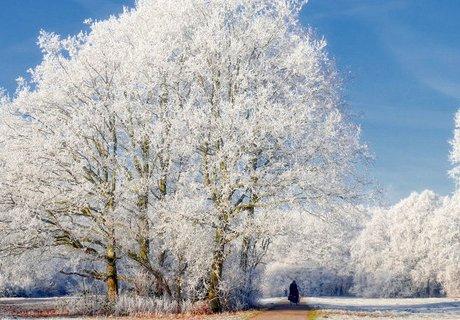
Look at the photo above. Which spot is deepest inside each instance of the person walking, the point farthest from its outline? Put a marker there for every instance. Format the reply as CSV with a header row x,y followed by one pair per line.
x,y
294,293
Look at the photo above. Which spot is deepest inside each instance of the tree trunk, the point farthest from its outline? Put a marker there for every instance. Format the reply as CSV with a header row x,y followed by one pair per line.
x,y
247,239
144,243
244,257
112,277
246,245
216,273
111,257
178,284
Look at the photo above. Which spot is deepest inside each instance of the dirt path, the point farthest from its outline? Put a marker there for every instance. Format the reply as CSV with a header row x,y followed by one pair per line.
x,y
286,311
286,314
340,308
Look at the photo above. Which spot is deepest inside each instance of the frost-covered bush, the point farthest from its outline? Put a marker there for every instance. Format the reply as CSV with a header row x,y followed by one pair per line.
x,y
91,304
86,304
137,305
240,289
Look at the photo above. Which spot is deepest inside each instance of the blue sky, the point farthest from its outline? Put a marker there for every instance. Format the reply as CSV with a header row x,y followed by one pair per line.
x,y
400,61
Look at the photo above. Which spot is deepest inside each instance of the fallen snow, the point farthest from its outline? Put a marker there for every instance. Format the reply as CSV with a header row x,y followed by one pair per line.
x,y
363,308
330,308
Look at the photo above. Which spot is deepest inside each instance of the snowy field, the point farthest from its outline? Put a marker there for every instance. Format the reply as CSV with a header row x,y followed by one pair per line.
x,y
361,308
332,308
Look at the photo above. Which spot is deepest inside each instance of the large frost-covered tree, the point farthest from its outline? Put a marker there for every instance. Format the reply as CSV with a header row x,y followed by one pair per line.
x,y
169,141
270,132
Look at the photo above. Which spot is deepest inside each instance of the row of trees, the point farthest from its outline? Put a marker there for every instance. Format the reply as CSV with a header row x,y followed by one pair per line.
x,y
413,247
201,150
410,249
161,151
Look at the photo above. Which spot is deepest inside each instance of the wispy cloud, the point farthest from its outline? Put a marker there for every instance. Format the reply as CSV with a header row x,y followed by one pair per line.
x,y
354,8
432,62
429,65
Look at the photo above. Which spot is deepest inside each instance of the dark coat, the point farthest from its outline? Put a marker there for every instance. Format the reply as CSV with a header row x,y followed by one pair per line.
x,y
293,293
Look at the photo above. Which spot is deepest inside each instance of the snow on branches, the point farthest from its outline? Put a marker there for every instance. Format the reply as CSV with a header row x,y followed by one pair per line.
x,y
163,142
410,249
455,152
189,150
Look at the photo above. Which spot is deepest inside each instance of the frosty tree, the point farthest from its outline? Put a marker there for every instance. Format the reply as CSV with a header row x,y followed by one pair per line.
x,y
171,139
270,129
444,253
315,252
455,152
390,255
412,248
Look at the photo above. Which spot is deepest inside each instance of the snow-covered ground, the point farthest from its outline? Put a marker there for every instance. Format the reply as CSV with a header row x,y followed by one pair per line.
x,y
331,308
362,308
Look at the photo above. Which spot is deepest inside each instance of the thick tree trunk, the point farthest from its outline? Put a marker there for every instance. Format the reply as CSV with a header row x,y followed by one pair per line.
x,y
110,255
216,273
111,273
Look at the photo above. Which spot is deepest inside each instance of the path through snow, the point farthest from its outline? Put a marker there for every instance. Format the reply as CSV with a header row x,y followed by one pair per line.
x,y
360,308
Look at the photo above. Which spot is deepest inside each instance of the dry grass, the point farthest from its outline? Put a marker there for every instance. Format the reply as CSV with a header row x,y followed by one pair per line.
x,y
38,313
243,315
59,313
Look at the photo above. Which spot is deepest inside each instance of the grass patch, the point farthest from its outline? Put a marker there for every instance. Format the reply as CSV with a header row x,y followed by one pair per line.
x,y
314,314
